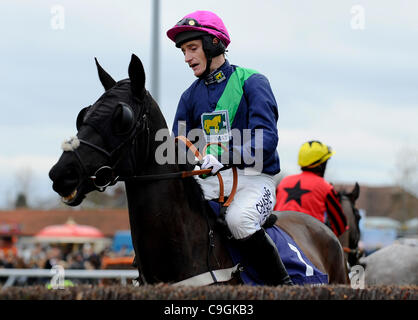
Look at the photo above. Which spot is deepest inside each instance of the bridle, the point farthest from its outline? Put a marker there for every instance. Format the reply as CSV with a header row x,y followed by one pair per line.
x,y
353,248
142,125
105,175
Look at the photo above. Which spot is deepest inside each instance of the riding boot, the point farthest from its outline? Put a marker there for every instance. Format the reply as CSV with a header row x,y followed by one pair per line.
x,y
261,253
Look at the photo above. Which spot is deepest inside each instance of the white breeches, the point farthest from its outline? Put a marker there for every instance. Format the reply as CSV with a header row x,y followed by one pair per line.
x,y
253,202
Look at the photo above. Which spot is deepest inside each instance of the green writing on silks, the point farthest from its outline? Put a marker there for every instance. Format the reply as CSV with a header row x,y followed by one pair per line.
x,y
231,98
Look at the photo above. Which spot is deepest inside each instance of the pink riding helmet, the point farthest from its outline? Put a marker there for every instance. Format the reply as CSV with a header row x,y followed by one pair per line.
x,y
205,21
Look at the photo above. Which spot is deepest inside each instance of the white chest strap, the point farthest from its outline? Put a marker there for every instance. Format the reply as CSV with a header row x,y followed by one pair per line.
x,y
206,278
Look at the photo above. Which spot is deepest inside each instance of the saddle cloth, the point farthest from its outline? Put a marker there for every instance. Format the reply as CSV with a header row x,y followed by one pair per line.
x,y
300,269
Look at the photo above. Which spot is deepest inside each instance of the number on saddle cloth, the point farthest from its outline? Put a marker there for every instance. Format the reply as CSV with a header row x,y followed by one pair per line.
x,y
300,268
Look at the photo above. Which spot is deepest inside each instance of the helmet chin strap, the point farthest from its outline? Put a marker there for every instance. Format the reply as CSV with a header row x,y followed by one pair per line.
x,y
212,48
207,70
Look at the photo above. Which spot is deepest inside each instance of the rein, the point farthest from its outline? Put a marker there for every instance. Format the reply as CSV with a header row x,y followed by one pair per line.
x,y
357,252
186,174
144,124
212,276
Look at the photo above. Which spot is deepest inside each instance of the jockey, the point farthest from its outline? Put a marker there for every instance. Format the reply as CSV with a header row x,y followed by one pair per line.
x,y
227,99
308,191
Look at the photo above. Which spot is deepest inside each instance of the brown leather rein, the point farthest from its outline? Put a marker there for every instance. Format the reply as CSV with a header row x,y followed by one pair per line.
x,y
186,174
196,172
356,251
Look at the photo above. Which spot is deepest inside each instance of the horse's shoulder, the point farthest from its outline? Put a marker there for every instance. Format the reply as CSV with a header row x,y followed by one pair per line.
x,y
299,223
296,216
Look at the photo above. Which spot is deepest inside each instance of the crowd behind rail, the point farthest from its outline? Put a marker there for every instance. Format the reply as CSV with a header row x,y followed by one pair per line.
x,y
42,256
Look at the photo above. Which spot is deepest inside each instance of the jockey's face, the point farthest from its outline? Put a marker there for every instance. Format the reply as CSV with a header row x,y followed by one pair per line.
x,y
194,56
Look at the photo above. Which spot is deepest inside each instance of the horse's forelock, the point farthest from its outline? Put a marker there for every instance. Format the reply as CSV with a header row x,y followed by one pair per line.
x,y
103,108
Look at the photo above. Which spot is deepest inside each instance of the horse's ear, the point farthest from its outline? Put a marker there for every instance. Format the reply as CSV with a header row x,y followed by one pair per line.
x,y
106,80
137,75
356,192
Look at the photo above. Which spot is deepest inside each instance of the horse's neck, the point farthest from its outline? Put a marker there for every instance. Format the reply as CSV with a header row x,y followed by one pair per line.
x,y
168,232
168,235
144,195
351,222
349,213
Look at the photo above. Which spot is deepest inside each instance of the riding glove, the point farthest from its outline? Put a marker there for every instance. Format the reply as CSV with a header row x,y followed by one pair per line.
x,y
209,161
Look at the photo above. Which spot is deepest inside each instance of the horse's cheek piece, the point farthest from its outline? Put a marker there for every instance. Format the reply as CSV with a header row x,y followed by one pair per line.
x,y
70,144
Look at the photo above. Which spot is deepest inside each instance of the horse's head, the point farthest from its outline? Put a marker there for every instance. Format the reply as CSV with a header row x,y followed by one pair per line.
x,y
112,134
348,203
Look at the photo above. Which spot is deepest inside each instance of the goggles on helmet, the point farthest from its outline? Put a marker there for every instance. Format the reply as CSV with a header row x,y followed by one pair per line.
x,y
194,23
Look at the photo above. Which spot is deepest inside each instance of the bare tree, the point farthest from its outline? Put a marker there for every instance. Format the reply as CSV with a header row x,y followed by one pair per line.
x,y
406,175
24,179
406,178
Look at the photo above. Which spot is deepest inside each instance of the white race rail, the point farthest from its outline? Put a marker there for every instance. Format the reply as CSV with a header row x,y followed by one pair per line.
x,y
12,274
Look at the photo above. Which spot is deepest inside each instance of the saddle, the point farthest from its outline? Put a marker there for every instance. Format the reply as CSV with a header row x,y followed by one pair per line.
x,y
220,212
300,269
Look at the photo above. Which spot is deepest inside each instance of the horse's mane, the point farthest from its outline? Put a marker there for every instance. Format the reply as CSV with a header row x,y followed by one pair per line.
x,y
193,190
344,193
194,194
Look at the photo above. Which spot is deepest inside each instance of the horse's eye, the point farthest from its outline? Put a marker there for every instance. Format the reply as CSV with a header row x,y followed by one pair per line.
x,y
80,117
123,119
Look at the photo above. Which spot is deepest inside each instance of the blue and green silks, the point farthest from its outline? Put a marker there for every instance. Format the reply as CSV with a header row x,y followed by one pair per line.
x,y
231,98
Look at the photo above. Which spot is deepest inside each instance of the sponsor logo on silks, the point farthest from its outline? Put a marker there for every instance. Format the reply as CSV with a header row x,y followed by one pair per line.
x,y
216,126
219,77
265,204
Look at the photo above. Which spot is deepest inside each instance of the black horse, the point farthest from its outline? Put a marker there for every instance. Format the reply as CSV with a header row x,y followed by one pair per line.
x,y
172,226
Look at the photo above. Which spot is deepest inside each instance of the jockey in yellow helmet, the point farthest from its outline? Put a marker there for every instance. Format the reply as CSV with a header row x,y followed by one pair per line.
x,y
308,191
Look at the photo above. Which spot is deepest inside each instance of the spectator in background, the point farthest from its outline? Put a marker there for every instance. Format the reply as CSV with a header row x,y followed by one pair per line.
x,y
2,262
7,259
123,252
78,261
38,255
53,256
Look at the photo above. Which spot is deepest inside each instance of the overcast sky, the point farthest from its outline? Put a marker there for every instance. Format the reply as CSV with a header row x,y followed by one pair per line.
x,y
343,72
